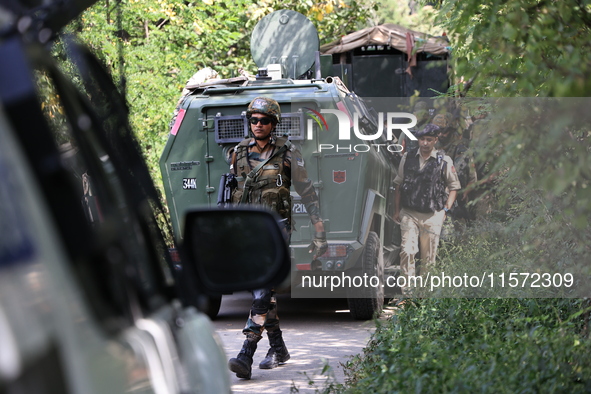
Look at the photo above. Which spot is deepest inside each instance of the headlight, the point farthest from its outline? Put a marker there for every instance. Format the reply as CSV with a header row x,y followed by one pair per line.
x,y
335,250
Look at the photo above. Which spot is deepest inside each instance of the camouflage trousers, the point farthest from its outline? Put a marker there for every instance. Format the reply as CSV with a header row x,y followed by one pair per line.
x,y
420,233
263,313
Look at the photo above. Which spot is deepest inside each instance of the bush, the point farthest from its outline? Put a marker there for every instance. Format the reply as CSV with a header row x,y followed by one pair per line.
x,y
486,345
476,345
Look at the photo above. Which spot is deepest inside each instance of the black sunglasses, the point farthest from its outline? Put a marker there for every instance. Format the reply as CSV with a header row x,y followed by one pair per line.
x,y
264,121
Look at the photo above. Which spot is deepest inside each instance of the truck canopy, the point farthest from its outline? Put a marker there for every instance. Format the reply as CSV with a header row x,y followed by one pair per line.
x,y
390,34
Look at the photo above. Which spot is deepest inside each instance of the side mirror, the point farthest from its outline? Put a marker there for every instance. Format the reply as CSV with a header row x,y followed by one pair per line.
x,y
235,249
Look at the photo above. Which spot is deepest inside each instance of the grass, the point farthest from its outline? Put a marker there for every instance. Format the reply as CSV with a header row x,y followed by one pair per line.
x,y
460,342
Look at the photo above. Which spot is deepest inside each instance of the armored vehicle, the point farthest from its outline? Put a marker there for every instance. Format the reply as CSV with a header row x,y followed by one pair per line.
x,y
347,156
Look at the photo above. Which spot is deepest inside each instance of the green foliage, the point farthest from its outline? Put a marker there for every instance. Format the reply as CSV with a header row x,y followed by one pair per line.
x,y
476,345
328,385
165,42
332,18
521,47
540,151
416,17
487,345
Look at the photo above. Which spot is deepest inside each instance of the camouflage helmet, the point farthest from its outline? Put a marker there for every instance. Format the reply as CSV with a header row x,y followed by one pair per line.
x,y
420,106
421,111
440,120
266,106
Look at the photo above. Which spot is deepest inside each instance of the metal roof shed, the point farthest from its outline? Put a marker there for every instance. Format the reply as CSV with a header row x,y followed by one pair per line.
x,y
390,61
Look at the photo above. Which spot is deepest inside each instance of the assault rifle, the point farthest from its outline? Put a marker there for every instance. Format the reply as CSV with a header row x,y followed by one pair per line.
x,y
228,183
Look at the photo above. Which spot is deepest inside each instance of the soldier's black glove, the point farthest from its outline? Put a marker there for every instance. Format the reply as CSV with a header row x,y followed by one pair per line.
x,y
318,245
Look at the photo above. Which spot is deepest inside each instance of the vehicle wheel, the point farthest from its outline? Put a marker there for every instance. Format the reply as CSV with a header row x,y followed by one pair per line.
x,y
210,306
366,302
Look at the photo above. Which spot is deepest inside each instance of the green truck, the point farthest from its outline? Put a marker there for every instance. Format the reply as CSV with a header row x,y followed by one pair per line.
x,y
348,153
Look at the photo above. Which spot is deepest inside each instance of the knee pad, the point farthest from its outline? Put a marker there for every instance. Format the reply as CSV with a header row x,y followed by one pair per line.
x,y
261,301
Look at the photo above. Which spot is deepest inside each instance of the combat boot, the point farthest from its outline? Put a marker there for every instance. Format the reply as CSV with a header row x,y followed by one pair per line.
x,y
278,353
242,364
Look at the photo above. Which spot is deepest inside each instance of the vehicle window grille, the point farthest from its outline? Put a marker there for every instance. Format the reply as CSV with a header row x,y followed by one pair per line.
x,y
292,125
232,128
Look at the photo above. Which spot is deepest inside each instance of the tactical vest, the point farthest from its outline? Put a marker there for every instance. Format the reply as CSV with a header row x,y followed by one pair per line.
x,y
270,185
423,190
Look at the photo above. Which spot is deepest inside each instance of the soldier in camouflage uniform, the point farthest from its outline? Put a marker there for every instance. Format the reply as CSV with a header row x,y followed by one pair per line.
x,y
265,167
480,131
426,189
451,141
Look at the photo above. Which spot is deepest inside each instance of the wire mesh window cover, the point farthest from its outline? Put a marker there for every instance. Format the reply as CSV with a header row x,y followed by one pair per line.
x,y
292,125
234,128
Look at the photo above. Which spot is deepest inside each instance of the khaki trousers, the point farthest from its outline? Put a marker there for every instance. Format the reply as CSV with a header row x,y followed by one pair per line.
x,y
420,232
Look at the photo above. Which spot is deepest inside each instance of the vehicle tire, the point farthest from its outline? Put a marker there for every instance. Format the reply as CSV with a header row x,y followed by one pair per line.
x,y
210,305
366,302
